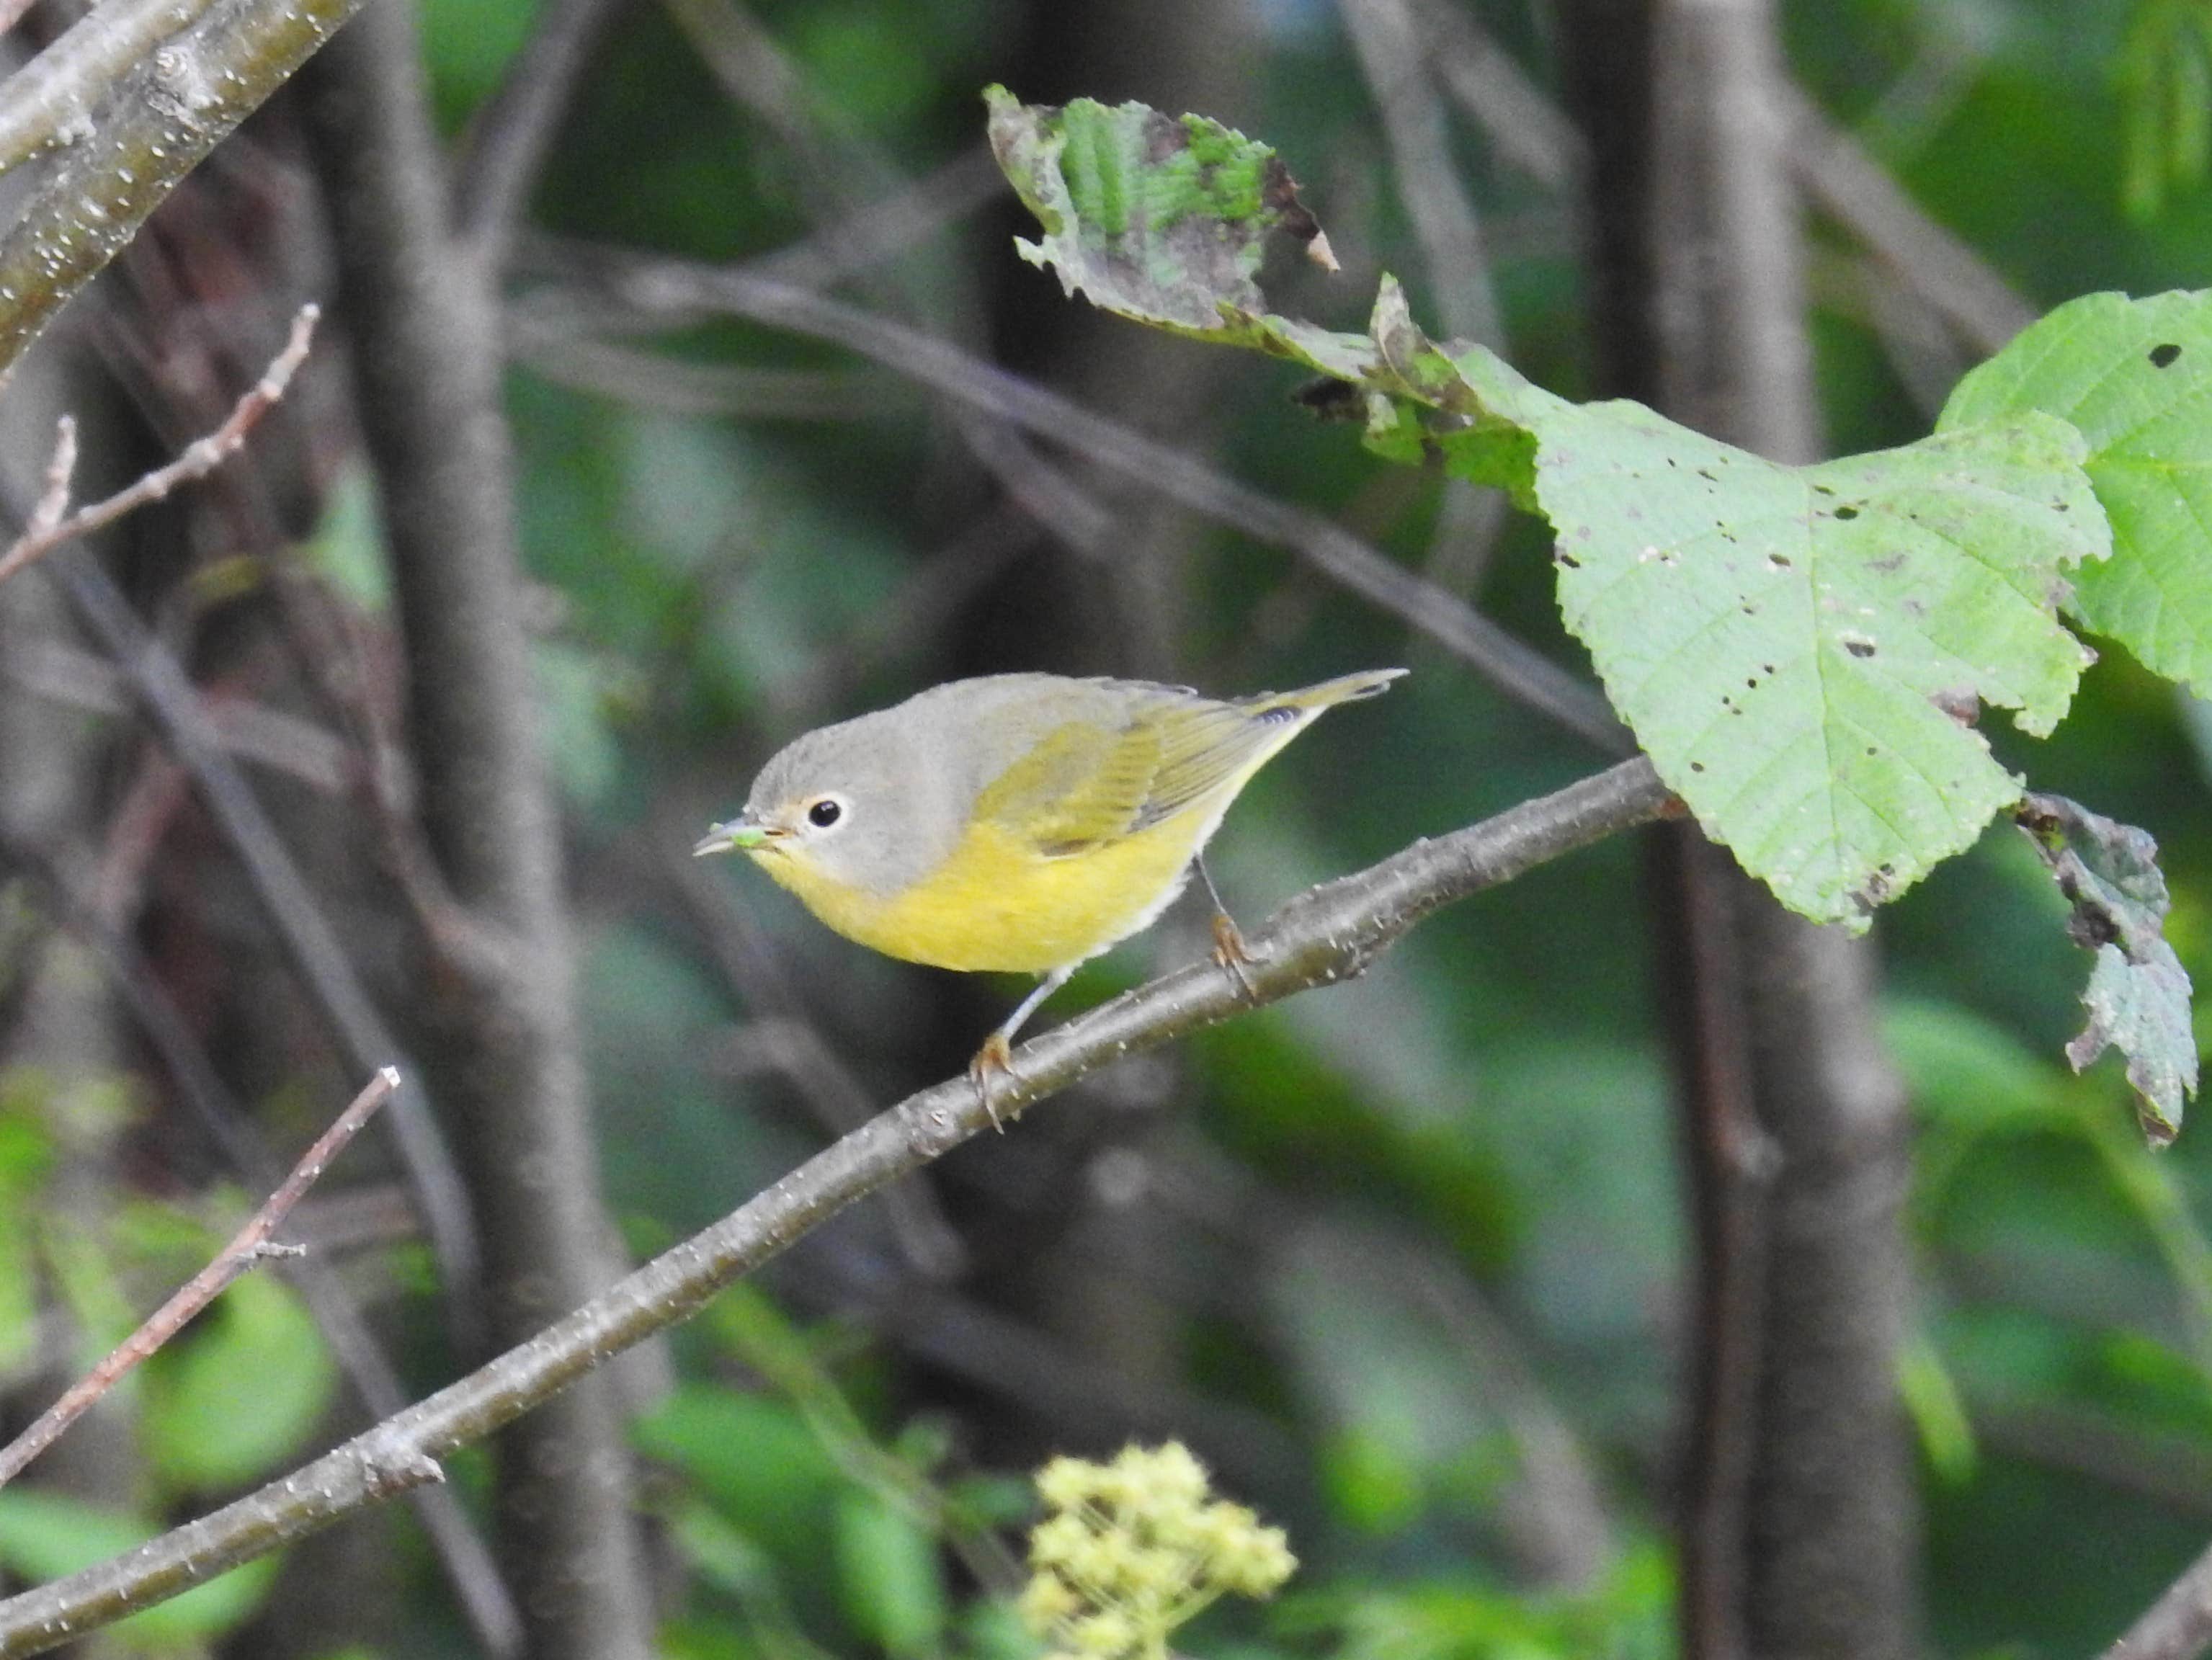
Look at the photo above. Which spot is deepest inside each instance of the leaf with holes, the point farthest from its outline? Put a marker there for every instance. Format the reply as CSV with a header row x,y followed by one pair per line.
x,y
1159,218
2136,377
2138,992
1801,649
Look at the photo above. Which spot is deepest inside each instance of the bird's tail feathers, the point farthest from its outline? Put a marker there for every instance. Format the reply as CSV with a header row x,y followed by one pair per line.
x,y
1344,688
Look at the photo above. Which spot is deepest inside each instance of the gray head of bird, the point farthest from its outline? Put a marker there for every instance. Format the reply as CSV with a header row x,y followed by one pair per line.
x,y
848,802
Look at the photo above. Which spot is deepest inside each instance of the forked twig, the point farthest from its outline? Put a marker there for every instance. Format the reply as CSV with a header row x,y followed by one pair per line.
x,y
249,1247
49,528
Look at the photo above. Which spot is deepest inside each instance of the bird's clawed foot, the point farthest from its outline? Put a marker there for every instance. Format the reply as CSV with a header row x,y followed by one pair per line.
x,y
996,1057
1229,951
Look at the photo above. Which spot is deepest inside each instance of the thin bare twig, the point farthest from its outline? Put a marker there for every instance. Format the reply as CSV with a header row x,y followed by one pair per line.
x,y
455,1539
842,173
1325,935
53,500
1519,119
651,379
247,1248
869,233
48,529
259,733
665,289
508,139
1397,63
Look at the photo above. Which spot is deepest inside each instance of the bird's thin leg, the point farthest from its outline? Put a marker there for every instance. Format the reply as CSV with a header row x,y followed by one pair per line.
x,y
997,1054
1230,949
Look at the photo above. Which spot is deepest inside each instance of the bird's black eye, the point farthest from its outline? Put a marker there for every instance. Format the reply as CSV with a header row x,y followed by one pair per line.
x,y
824,813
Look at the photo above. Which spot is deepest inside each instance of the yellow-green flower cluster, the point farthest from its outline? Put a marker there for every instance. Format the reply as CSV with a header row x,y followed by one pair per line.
x,y
1135,1547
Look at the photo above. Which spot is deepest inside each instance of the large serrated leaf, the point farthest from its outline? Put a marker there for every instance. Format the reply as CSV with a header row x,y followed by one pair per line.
x,y
1800,649
1160,218
2136,377
2138,994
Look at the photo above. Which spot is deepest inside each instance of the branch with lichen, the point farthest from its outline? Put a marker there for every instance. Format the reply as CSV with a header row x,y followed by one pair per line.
x,y
1324,935
157,121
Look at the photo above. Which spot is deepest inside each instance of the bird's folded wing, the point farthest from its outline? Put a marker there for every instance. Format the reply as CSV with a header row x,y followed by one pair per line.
x,y
1084,783
1205,747
1080,785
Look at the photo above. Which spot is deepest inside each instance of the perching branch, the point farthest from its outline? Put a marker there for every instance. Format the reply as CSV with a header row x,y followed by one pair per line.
x,y
1327,934
49,528
248,1248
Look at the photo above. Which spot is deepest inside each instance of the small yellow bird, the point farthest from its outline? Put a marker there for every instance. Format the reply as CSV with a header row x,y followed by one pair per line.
x,y
1022,823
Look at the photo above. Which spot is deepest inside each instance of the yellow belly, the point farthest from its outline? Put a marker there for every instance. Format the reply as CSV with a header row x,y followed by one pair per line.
x,y
997,904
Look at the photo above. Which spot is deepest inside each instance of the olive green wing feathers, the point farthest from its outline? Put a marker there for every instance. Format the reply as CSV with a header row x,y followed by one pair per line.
x,y
1085,783
1080,784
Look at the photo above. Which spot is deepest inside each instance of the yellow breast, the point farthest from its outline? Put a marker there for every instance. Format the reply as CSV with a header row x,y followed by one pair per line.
x,y
996,902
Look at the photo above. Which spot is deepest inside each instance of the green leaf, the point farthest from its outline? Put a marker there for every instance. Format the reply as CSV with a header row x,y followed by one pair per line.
x,y
1800,649
2135,377
578,690
241,1391
893,1586
19,1292
27,1151
755,1458
43,1535
2138,993
346,548
1160,219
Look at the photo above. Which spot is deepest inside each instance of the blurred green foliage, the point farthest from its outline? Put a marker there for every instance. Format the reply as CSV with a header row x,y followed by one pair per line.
x,y
238,1395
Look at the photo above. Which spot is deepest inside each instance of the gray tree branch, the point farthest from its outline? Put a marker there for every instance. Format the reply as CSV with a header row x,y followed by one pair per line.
x,y
1809,1542
166,114
53,99
505,1045
1325,935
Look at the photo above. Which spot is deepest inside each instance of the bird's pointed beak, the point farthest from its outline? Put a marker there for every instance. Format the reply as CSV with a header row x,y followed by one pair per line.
x,y
740,834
